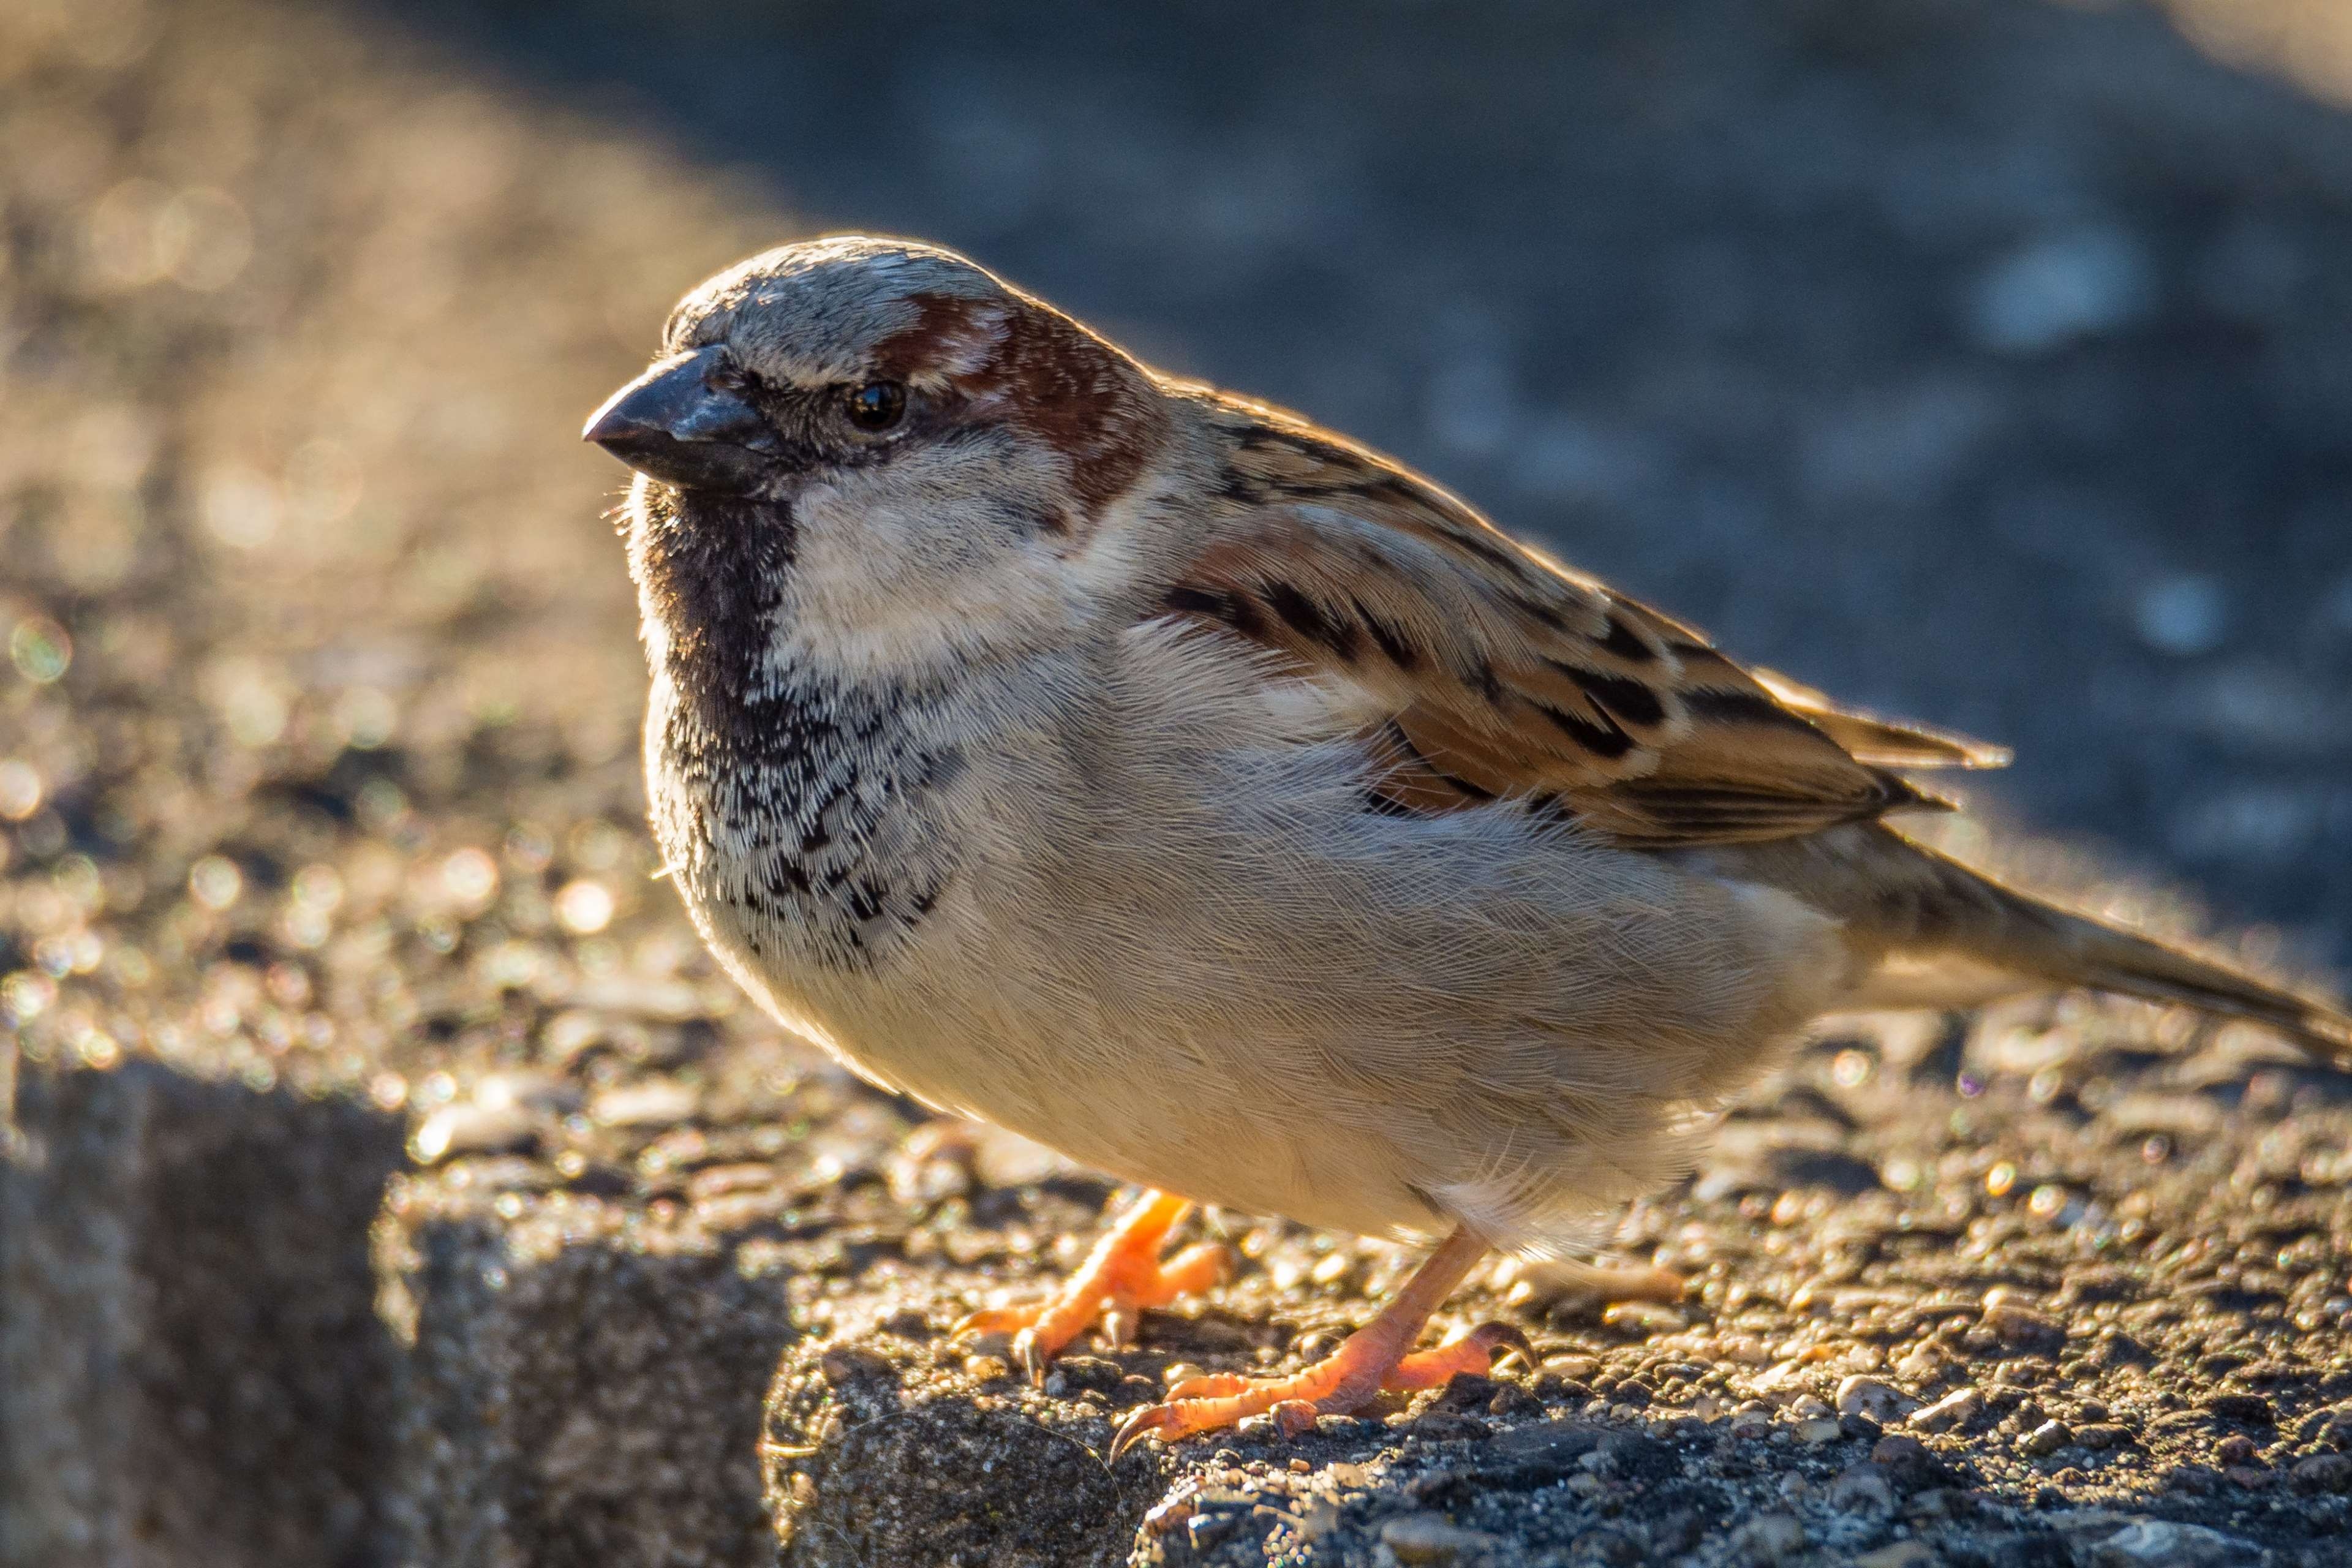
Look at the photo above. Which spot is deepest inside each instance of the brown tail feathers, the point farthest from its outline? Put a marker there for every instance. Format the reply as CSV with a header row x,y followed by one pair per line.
x,y
2078,950
1915,907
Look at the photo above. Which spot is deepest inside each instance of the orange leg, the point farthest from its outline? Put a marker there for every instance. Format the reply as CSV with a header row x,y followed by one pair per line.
x,y
1372,1358
1122,1276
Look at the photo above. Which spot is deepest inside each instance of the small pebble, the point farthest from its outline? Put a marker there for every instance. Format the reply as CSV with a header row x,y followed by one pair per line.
x,y
2023,1329
1956,1408
657,1101
474,1129
1921,1365
1172,1510
1643,1319
2046,1438
2161,1543
1427,1538
1862,1490
1332,1268
1209,1531
1907,1463
2323,1473
1317,1518
1769,1537
1899,1554
2250,1408
1882,1402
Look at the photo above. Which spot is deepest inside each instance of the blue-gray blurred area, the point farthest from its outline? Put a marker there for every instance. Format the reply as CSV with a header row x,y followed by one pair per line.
x,y
1987,362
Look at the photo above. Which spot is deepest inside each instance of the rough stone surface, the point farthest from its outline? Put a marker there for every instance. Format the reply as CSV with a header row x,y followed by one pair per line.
x,y
389,1177
191,1366
582,1408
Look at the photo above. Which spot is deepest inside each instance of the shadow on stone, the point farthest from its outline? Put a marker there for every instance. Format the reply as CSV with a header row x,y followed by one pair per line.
x,y
592,1403
191,1366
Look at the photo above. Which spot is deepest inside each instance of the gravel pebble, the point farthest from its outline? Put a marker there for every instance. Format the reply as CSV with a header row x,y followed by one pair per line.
x,y
1882,1402
2046,1439
1426,1537
1956,1408
475,1129
1862,1489
1899,1554
2323,1473
1771,1537
2023,1329
2162,1543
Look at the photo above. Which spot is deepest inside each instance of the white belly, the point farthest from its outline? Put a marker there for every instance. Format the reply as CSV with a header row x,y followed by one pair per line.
x,y
1230,981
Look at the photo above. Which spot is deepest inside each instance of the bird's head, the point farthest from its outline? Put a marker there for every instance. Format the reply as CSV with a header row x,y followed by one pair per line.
x,y
897,431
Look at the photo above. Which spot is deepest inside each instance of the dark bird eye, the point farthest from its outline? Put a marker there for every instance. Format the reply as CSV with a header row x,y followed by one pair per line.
x,y
877,405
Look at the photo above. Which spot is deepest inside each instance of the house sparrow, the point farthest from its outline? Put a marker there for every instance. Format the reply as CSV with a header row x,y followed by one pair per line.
x,y
1189,788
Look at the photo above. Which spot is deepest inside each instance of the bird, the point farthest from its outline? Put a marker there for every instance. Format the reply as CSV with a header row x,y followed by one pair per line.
x,y
1148,770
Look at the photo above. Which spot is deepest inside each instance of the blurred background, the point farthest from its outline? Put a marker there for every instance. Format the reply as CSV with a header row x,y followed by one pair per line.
x,y
1986,362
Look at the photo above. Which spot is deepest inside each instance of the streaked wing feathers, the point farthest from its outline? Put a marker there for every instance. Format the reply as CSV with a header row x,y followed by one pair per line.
x,y
1488,671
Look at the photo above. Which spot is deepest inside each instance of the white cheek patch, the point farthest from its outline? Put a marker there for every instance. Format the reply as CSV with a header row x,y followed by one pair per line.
x,y
900,573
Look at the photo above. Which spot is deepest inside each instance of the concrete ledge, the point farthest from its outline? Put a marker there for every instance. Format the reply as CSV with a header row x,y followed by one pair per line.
x,y
191,1365
595,1403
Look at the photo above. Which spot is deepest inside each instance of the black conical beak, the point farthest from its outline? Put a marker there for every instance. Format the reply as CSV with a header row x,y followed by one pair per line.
x,y
672,423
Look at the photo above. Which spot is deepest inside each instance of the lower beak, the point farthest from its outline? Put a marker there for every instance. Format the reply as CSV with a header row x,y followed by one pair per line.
x,y
673,425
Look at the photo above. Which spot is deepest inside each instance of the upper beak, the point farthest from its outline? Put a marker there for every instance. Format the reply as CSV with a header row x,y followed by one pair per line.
x,y
673,424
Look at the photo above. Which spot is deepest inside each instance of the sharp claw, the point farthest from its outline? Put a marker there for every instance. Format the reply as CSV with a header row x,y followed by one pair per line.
x,y
1504,1338
1143,1422
1294,1417
1029,1357
1118,1324
994,1321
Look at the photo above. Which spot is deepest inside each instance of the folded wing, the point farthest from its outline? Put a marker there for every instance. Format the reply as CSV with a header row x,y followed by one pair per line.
x,y
1487,671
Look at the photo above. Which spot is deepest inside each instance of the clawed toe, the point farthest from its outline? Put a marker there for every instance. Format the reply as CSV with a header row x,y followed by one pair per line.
x,y
997,1321
1210,1385
1366,1362
1505,1339
1125,1273
1122,1276
1475,1350
1165,1422
1294,1417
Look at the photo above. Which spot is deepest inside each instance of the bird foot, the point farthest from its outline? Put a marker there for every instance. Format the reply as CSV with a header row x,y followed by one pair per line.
x,y
1366,1362
1123,1275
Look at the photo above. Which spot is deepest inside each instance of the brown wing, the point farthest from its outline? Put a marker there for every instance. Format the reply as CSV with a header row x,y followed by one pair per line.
x,y
1497,673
